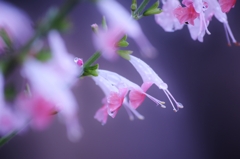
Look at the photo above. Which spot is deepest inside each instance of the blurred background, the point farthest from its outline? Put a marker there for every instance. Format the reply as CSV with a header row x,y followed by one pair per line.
x,y
204,77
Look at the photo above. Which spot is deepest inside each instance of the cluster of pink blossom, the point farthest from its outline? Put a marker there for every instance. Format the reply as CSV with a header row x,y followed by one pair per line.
x,y
47,93
196,13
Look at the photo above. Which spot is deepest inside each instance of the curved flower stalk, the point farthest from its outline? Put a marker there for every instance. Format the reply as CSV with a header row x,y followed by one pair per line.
x,y
166,18
121,23
150,77
47,82
115,88
15,25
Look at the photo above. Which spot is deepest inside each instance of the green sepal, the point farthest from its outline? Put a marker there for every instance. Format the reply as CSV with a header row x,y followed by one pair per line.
x,y
152,12
125,54
123,42
10,92
124,37
153,9
91,70
6,38
6,138
43,55
134,5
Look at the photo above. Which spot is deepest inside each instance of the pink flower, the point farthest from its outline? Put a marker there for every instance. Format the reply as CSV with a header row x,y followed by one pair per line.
x,y
226,5
214,9
149,76
121,23
166,18
39,111
16,24
106,41
102,114
46,79
194,12
116,88
186,14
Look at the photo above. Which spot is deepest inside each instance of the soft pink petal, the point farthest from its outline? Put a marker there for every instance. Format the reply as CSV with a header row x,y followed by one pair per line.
x,y
136,97
102,114
115,99
226,5
186,14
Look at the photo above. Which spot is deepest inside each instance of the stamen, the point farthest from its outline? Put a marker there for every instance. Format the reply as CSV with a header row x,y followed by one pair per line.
x,y
226,32
174,109
179,105
226,25
155,100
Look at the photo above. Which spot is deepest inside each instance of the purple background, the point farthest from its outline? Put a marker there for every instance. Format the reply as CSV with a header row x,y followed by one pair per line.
x,y
203,76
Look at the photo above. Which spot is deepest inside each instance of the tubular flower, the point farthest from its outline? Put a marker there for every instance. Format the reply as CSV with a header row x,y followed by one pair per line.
x,y
46,79
16,24
214,9
37,109
166,18
116,88
121,23
226,5
198,13
149,76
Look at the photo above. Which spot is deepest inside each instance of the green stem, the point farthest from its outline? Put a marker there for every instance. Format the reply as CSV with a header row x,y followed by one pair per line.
x,y
7,138
92,59
48,24
141,7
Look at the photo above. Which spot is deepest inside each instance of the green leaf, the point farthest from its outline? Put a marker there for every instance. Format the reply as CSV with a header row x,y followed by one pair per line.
x,y
43,55
125,54
6,138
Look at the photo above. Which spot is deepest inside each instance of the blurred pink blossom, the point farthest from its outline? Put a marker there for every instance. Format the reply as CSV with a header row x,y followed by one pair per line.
x,y
16,23
121,23
166,18
106,41
52,81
